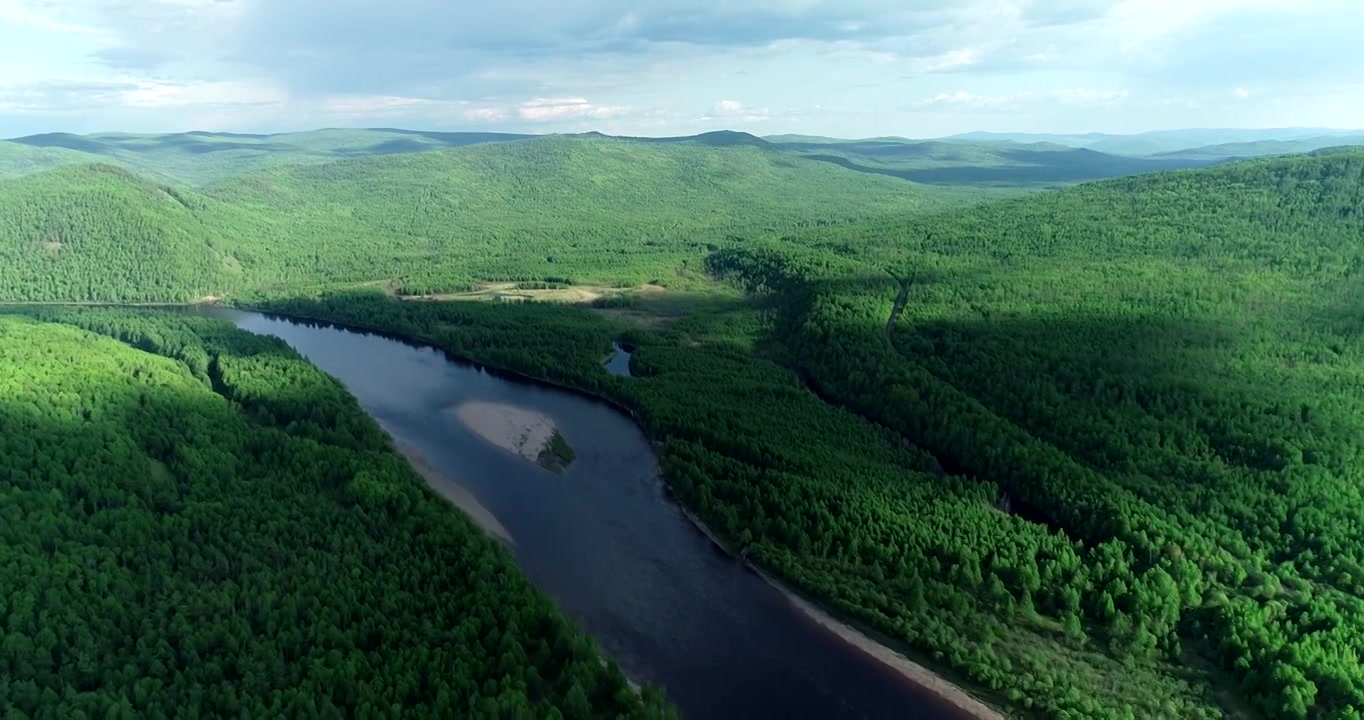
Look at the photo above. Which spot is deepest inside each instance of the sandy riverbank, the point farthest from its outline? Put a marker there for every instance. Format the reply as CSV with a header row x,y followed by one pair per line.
x,y
456,494
910,670
528,433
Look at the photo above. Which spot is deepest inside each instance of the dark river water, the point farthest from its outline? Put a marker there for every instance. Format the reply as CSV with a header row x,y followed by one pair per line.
x,y
607,543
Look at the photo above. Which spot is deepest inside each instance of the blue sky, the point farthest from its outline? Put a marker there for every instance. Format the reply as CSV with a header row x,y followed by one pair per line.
x,y
851,68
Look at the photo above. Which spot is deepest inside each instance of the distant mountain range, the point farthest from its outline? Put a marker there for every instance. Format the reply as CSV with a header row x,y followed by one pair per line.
x,y
1020,160
1173,141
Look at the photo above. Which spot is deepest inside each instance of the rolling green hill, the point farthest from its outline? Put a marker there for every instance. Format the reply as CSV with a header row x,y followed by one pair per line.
x,y
98,232
959,163
196,158
1157,141
594,210
1162,368
19,159
1262,148
199,158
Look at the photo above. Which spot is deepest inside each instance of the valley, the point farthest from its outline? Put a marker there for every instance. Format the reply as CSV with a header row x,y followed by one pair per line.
x,y
1081,447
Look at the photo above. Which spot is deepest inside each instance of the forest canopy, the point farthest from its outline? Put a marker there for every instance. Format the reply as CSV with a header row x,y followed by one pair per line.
x,y
198,521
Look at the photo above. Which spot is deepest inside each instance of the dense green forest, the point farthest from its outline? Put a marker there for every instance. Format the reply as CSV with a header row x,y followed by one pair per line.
x,y
1160,142
199,522
1111,467
198,158
202,158
595,210
1089,450
1002,164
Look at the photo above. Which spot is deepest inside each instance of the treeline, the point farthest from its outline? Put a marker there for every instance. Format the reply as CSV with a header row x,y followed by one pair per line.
x,y
209,525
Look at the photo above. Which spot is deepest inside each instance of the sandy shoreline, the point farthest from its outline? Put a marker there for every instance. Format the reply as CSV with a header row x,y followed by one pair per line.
x,y
457,494
908,669
524,432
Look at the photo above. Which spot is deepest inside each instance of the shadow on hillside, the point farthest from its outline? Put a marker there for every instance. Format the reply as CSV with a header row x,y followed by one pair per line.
x,y
672,305
63,140
195,146
1114,389
457,139
1035,167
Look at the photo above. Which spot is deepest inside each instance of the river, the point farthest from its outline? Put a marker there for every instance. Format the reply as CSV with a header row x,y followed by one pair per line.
x,y
604,539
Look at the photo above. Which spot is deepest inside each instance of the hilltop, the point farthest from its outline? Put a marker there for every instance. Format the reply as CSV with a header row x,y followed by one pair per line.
x,y
592,209
1261,148
196,158
979,163
976,159
1156,141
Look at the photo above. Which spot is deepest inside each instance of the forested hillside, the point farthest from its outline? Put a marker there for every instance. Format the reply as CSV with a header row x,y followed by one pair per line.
x,y
983,163
208,525
1161,368
1112,470
1268,147
1158,141
196,158
97,232
19,159
552,209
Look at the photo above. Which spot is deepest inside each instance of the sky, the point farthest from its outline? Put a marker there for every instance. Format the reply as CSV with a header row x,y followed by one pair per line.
x,y
847,68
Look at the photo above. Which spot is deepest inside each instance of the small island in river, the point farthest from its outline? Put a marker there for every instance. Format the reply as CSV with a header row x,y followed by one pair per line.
x,y
531,434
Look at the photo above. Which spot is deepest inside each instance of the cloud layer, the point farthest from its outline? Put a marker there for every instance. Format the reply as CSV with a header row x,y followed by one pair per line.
x,y
845,67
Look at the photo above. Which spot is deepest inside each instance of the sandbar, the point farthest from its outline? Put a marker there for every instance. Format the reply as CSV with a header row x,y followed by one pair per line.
x,y
528,433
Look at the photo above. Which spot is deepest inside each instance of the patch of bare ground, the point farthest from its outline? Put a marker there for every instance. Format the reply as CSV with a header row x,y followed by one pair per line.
x,y
505,291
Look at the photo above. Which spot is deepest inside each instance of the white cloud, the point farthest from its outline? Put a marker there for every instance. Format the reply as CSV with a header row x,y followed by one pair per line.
x,y
372,104
950,60
484,115
1089,96
39,16
865,67
971,101
727,108
155,94
552,109
1021,101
